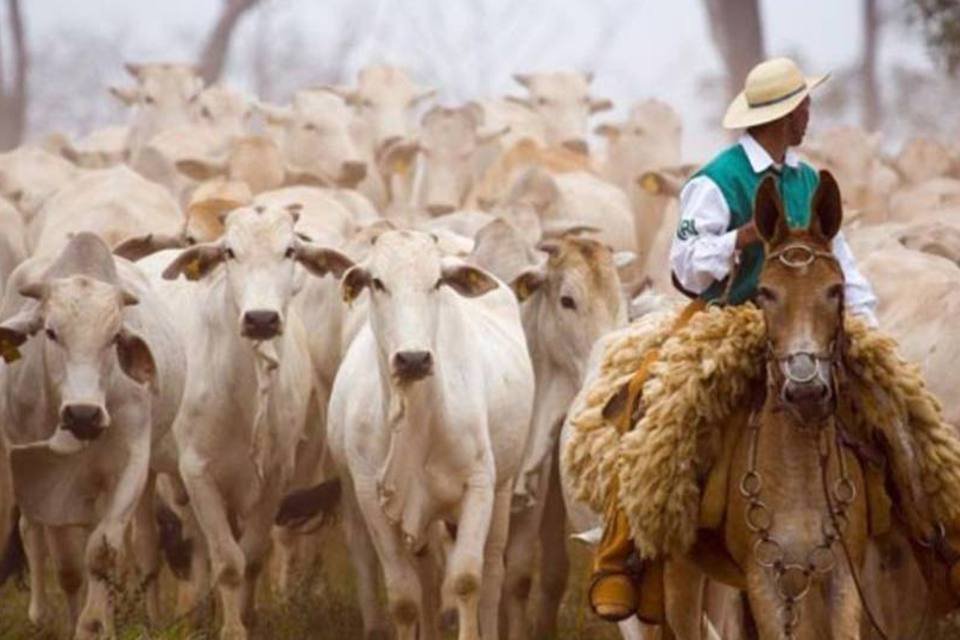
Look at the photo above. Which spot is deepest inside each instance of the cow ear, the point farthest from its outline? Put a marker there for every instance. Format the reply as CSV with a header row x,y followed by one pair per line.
x,y
320,261
528,282
522,79
523,102
424,94
201,170
607,130
354,281
135,357
600,104
126,95
272,113
826,208
195,262
768,212
468,281
138,247
15,331
490,136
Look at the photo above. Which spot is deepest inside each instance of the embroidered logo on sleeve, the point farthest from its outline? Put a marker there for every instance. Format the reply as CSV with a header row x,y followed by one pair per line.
x,y
687,229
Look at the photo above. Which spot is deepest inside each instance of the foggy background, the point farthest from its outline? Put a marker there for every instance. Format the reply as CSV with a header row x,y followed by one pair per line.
x,y
470,48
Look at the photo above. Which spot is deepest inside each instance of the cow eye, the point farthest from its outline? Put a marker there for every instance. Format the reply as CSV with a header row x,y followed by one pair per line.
x,y
542,101
378,285
310,127
290,253
51,333
229,254
205,113
148,99
567,302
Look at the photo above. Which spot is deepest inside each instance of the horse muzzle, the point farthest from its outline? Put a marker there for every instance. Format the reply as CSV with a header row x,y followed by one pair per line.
x,y
807,388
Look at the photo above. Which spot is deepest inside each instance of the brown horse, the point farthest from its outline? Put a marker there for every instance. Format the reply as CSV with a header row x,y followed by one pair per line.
x,y
796,521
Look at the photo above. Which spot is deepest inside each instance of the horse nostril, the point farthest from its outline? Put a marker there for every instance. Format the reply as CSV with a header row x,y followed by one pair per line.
x,y
413,365
261,323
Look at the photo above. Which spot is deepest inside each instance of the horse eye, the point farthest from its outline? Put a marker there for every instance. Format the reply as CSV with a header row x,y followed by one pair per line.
x,y
567,302
765,295
51,333
835,292
378,285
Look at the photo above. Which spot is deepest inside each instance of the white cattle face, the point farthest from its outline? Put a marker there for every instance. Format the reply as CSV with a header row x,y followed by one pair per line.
x,y
315,137
649,139
383,99
562,98
408,280
165,96
580,299
223,110
258,251
80,321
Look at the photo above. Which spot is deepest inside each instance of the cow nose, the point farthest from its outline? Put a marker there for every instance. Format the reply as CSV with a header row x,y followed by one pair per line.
x,y
438,209
261,324
577,145
352,172
413,365
83,420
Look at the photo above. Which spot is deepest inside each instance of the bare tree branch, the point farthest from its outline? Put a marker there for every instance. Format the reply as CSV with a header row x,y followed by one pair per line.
x,y
214,55
737,32
868,71
13,99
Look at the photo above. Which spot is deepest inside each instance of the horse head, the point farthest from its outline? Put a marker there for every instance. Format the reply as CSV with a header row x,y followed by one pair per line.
x,y
801,295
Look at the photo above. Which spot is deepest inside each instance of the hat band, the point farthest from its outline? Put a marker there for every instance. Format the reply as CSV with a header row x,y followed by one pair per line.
x,y
767,103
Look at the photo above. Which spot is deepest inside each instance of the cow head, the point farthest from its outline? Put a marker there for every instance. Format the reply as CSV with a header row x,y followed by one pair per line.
x,y
562,98
258,252
578,298
224,110
408,280
80,320
648,139
165,96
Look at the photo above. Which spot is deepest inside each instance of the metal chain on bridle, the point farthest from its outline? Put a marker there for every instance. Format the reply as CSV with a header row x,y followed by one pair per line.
x,y
793,578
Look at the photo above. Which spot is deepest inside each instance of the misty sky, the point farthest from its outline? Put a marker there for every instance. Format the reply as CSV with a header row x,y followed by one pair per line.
x,y
660,48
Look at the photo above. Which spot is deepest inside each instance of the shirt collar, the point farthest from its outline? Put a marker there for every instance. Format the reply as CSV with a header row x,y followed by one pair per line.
x,y
760,160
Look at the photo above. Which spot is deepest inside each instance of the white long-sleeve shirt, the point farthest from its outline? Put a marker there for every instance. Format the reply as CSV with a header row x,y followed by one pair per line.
x,y
704,250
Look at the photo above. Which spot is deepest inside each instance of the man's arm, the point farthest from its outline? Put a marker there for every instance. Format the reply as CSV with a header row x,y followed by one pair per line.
x,y
703,250
858,294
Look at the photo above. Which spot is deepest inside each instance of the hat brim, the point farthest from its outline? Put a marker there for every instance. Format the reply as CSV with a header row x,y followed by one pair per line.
x,y
741,115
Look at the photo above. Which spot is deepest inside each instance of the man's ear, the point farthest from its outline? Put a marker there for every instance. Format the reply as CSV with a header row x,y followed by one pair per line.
x,y
528,282
826,209
354,281
468,281
195,262
768,212
135,357
320,261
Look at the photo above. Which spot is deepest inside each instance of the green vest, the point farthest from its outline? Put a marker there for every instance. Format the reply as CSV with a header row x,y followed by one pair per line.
x,y
731,171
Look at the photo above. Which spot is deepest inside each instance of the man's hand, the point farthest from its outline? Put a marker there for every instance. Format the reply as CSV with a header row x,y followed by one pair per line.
x,y
747,235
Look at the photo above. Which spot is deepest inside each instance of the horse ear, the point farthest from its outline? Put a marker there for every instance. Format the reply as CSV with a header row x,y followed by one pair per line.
x,y
768,212
826,209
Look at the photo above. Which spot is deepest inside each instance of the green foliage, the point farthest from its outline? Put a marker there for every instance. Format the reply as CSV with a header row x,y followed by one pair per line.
x,y
940,20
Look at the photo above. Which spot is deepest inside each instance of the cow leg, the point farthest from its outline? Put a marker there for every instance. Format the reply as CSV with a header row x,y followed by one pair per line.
x,y
66,549
146,549
491,585
403,584
364,559
286,560
429,571
554,562
465,565
105,546
192,557
35,549
524,530
255,544
228,565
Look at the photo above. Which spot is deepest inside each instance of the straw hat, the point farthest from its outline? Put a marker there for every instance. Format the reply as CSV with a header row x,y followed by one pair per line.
x,y
773,89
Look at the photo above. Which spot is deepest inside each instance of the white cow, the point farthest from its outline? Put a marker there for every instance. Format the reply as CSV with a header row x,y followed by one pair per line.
x,y
13,241
428,422
249,384
30,175
85,411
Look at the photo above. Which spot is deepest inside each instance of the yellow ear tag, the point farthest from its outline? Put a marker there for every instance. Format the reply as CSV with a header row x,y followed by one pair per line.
x,y
192,269
9,351
401,166
650,183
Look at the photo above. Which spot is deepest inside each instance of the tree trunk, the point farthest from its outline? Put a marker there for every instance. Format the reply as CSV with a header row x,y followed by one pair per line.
x,y
737,32
868,71
13,98
214,55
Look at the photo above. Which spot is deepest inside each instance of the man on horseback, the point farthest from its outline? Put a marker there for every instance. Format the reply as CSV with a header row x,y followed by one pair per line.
x,y
717,258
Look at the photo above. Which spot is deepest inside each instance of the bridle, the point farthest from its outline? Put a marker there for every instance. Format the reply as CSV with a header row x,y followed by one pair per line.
x,y
792,579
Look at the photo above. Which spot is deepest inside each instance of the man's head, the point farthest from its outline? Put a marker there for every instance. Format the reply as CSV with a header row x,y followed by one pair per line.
x,y
790,128
775,94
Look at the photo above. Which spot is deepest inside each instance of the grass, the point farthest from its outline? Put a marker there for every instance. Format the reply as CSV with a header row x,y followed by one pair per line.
x,y
325,613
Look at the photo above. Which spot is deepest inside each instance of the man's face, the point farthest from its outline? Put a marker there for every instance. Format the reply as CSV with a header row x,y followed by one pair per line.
x,y
797,123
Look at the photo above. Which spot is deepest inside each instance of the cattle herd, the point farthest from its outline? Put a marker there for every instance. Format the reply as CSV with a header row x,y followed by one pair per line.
x,y
229,315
